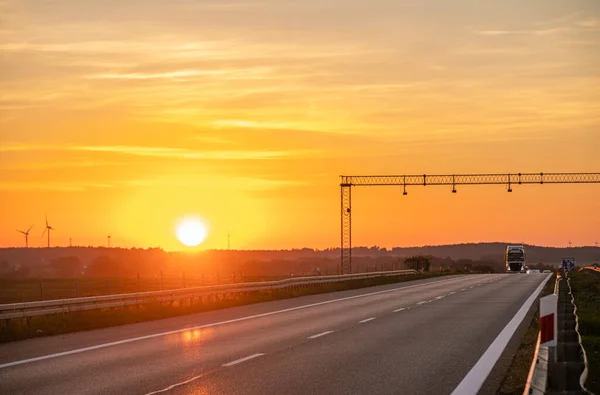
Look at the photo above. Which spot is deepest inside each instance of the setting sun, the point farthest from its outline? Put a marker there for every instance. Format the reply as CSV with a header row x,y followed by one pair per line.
x,y
191,232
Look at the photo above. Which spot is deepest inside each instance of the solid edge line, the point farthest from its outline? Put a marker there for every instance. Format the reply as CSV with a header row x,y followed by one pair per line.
x,y
474,380
237,361
154,335
367,320
319,335
395,311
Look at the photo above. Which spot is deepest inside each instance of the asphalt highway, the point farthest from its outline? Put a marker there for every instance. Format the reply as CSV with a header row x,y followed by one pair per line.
x,y
421,337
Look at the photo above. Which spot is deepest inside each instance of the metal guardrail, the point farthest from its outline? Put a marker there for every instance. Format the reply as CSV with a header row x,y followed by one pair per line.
x,y
32,309
538,381
584,374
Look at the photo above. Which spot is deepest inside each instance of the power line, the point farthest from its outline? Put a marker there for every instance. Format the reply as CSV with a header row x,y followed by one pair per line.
x,y
508,179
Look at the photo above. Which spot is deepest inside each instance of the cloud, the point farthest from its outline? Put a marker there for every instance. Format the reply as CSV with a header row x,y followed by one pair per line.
x,y
201,181
52,186
539,32
196,181
254,124
190,154
17,147
164,152
59,165
438,68
246,73
588,22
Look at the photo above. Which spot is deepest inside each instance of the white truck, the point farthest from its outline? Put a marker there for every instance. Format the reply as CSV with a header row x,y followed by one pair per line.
x,y
515,259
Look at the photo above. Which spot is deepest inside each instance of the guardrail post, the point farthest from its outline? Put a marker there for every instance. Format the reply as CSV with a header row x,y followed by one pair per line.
x,y
41,289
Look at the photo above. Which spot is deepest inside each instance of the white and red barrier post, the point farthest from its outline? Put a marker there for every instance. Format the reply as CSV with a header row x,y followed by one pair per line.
x,y
549,321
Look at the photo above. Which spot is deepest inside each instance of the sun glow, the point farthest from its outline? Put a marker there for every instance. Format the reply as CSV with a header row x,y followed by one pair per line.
x,y
191,232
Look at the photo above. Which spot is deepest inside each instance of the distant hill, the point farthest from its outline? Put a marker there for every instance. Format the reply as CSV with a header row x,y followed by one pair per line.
x,y
495,251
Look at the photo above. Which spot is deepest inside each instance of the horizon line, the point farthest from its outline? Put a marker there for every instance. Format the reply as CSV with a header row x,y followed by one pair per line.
x,y
297,248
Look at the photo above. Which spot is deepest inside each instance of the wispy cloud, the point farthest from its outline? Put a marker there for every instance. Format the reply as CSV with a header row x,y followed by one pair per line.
x,y
201,181
164,152
255,124
190,154
52,186
59,164
183,74
194,181
23,147
539,32
588,22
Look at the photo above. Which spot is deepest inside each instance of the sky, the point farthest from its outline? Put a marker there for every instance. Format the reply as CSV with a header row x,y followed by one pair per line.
x,y
123,117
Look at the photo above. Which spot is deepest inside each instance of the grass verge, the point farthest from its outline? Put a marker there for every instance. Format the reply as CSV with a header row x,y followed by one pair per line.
x,y
19,329
585,286
516,376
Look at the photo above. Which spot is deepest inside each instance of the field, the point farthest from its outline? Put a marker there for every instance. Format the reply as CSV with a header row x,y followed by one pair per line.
x,y
29,290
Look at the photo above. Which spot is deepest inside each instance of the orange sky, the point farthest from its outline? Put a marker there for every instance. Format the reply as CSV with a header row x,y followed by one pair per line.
x,y
120,117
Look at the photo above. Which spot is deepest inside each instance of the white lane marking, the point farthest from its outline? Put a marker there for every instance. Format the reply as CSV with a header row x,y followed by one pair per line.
x,y
440,297
430,300
479,373
451,293
420,303
242,360
395,311
470,287
169,388
154,335
464,289
319,335
367,320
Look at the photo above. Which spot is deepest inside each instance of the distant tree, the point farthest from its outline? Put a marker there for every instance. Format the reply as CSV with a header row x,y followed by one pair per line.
x,y
18,271
66,267
5,267
105,266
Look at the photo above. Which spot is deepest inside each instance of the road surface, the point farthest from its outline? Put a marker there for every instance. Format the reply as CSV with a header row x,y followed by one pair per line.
x,y
421,337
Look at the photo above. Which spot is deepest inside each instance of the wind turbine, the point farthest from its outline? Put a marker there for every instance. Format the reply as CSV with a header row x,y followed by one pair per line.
x,y
26,233
48,229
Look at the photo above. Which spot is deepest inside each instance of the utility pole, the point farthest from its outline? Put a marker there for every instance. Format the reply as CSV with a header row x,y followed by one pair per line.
x,y
228,240
109,241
